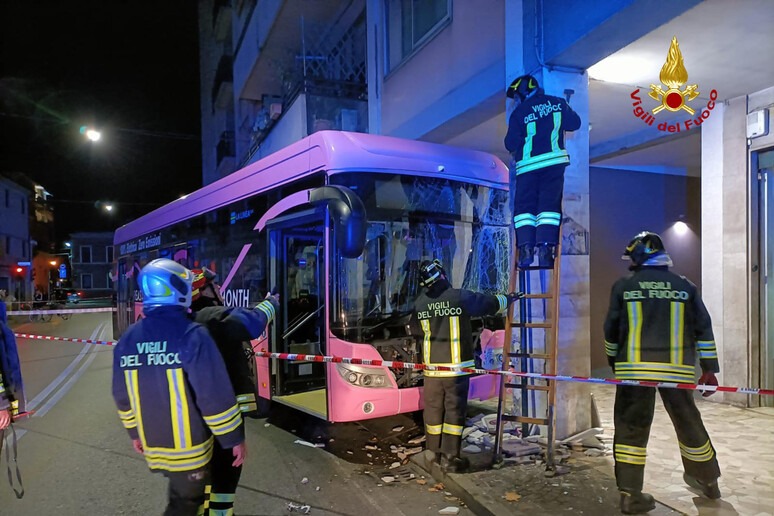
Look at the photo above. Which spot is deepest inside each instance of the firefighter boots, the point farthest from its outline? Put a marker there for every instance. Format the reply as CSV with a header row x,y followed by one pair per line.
x,y
636,502
526,255
545,254
710,489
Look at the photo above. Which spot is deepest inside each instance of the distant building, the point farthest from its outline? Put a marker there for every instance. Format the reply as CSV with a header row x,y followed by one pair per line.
x,y
15,249
92,262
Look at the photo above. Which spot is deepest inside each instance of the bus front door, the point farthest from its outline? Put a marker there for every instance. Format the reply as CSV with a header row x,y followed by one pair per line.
x,y
297,266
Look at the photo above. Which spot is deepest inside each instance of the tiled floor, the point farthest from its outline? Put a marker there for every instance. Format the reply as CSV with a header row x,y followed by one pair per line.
x,y
744,441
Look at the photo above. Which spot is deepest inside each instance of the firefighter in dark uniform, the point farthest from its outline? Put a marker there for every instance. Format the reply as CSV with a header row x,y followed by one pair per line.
x,y
656,328
441,319
172,389
12,400
535,139
232,329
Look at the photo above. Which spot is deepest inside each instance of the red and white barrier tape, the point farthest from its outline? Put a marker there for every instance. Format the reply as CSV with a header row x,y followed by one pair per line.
x,y
65,339
62,311
410,365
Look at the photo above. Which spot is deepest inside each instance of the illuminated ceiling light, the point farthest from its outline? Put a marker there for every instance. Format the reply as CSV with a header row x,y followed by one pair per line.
x,y
623,68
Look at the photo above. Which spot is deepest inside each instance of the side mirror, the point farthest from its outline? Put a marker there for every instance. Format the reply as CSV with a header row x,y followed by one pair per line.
x,y
349,217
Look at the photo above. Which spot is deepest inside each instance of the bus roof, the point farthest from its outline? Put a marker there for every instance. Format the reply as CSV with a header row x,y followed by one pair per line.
x,y
332,151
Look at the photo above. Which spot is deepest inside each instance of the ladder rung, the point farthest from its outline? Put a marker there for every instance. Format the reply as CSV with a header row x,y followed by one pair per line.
x,y
524,419
538,296
529,387
535,268
534,325
535,356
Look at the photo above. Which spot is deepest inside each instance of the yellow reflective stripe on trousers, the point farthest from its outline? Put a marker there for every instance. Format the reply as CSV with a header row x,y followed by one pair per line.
x,y
222,497
452,429
433,429
426,340
178,408
701,453
634,310
133,390
676,326
630,454
454,336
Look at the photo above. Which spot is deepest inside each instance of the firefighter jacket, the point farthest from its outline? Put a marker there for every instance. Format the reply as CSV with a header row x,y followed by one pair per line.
x,y
442,321
172,391
535,134
657,326
232,329
11,385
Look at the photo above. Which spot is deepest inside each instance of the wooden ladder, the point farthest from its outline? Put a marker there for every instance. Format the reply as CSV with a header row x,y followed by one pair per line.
x,y
524,358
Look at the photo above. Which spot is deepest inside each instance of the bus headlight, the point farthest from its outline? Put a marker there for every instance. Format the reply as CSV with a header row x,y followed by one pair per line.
x,y
363,376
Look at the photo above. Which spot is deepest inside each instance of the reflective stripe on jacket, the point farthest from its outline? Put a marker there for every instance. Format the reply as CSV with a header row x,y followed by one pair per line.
x,y
172,391
657,326
442,324
536,129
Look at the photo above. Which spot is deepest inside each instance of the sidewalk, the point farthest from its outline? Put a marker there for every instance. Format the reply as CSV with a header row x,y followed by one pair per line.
x,y
743,438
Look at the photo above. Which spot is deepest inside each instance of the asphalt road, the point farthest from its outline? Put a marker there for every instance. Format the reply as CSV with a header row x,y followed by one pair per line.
x,y
76,459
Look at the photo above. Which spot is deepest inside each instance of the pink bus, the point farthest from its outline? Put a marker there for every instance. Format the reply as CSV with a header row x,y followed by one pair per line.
x,y
337,223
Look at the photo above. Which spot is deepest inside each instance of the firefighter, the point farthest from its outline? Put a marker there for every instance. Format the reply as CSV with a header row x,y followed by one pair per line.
x,y
232,329
656,328
441,318
172,389
12,401
535,139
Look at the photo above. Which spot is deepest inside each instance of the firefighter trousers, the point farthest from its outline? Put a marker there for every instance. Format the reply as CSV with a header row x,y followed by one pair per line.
x,y
446,401
537,210
185,494
221,492
633,416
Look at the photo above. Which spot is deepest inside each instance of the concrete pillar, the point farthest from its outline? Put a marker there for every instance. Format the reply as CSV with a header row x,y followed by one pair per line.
x,y
573,402
725,215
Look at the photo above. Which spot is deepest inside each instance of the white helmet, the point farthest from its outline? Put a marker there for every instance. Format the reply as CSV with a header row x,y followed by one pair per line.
x,y
165,282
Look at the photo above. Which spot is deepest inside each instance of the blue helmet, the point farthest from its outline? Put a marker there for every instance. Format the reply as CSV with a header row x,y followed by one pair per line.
x,y
165,282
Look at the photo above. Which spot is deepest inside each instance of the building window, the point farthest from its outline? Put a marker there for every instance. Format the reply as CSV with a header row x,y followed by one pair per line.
x,y
86,281
109,253
85,254
411,24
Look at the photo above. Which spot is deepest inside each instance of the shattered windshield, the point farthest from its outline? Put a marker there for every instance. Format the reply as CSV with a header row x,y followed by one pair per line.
x,y
412,219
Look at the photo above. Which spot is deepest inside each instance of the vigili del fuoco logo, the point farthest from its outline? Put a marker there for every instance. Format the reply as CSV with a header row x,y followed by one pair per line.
x,y
673,75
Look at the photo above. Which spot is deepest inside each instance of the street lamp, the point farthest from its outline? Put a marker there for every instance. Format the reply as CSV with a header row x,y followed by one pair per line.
x,y
90,133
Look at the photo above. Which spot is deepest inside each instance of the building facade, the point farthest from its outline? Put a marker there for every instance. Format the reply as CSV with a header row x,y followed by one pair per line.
x,y
275,71
15,246
92,262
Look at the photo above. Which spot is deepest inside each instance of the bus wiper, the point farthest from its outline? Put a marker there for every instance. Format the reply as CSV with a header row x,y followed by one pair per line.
x,y
300,323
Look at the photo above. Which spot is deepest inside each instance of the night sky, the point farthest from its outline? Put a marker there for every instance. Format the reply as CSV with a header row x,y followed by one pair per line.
x,y
129,68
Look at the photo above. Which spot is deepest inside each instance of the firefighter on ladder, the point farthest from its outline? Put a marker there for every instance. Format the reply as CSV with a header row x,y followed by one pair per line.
x,y
656,326
441,319
535,139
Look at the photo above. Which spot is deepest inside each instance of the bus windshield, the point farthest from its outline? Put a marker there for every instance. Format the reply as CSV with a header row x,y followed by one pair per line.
x,y
411,219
